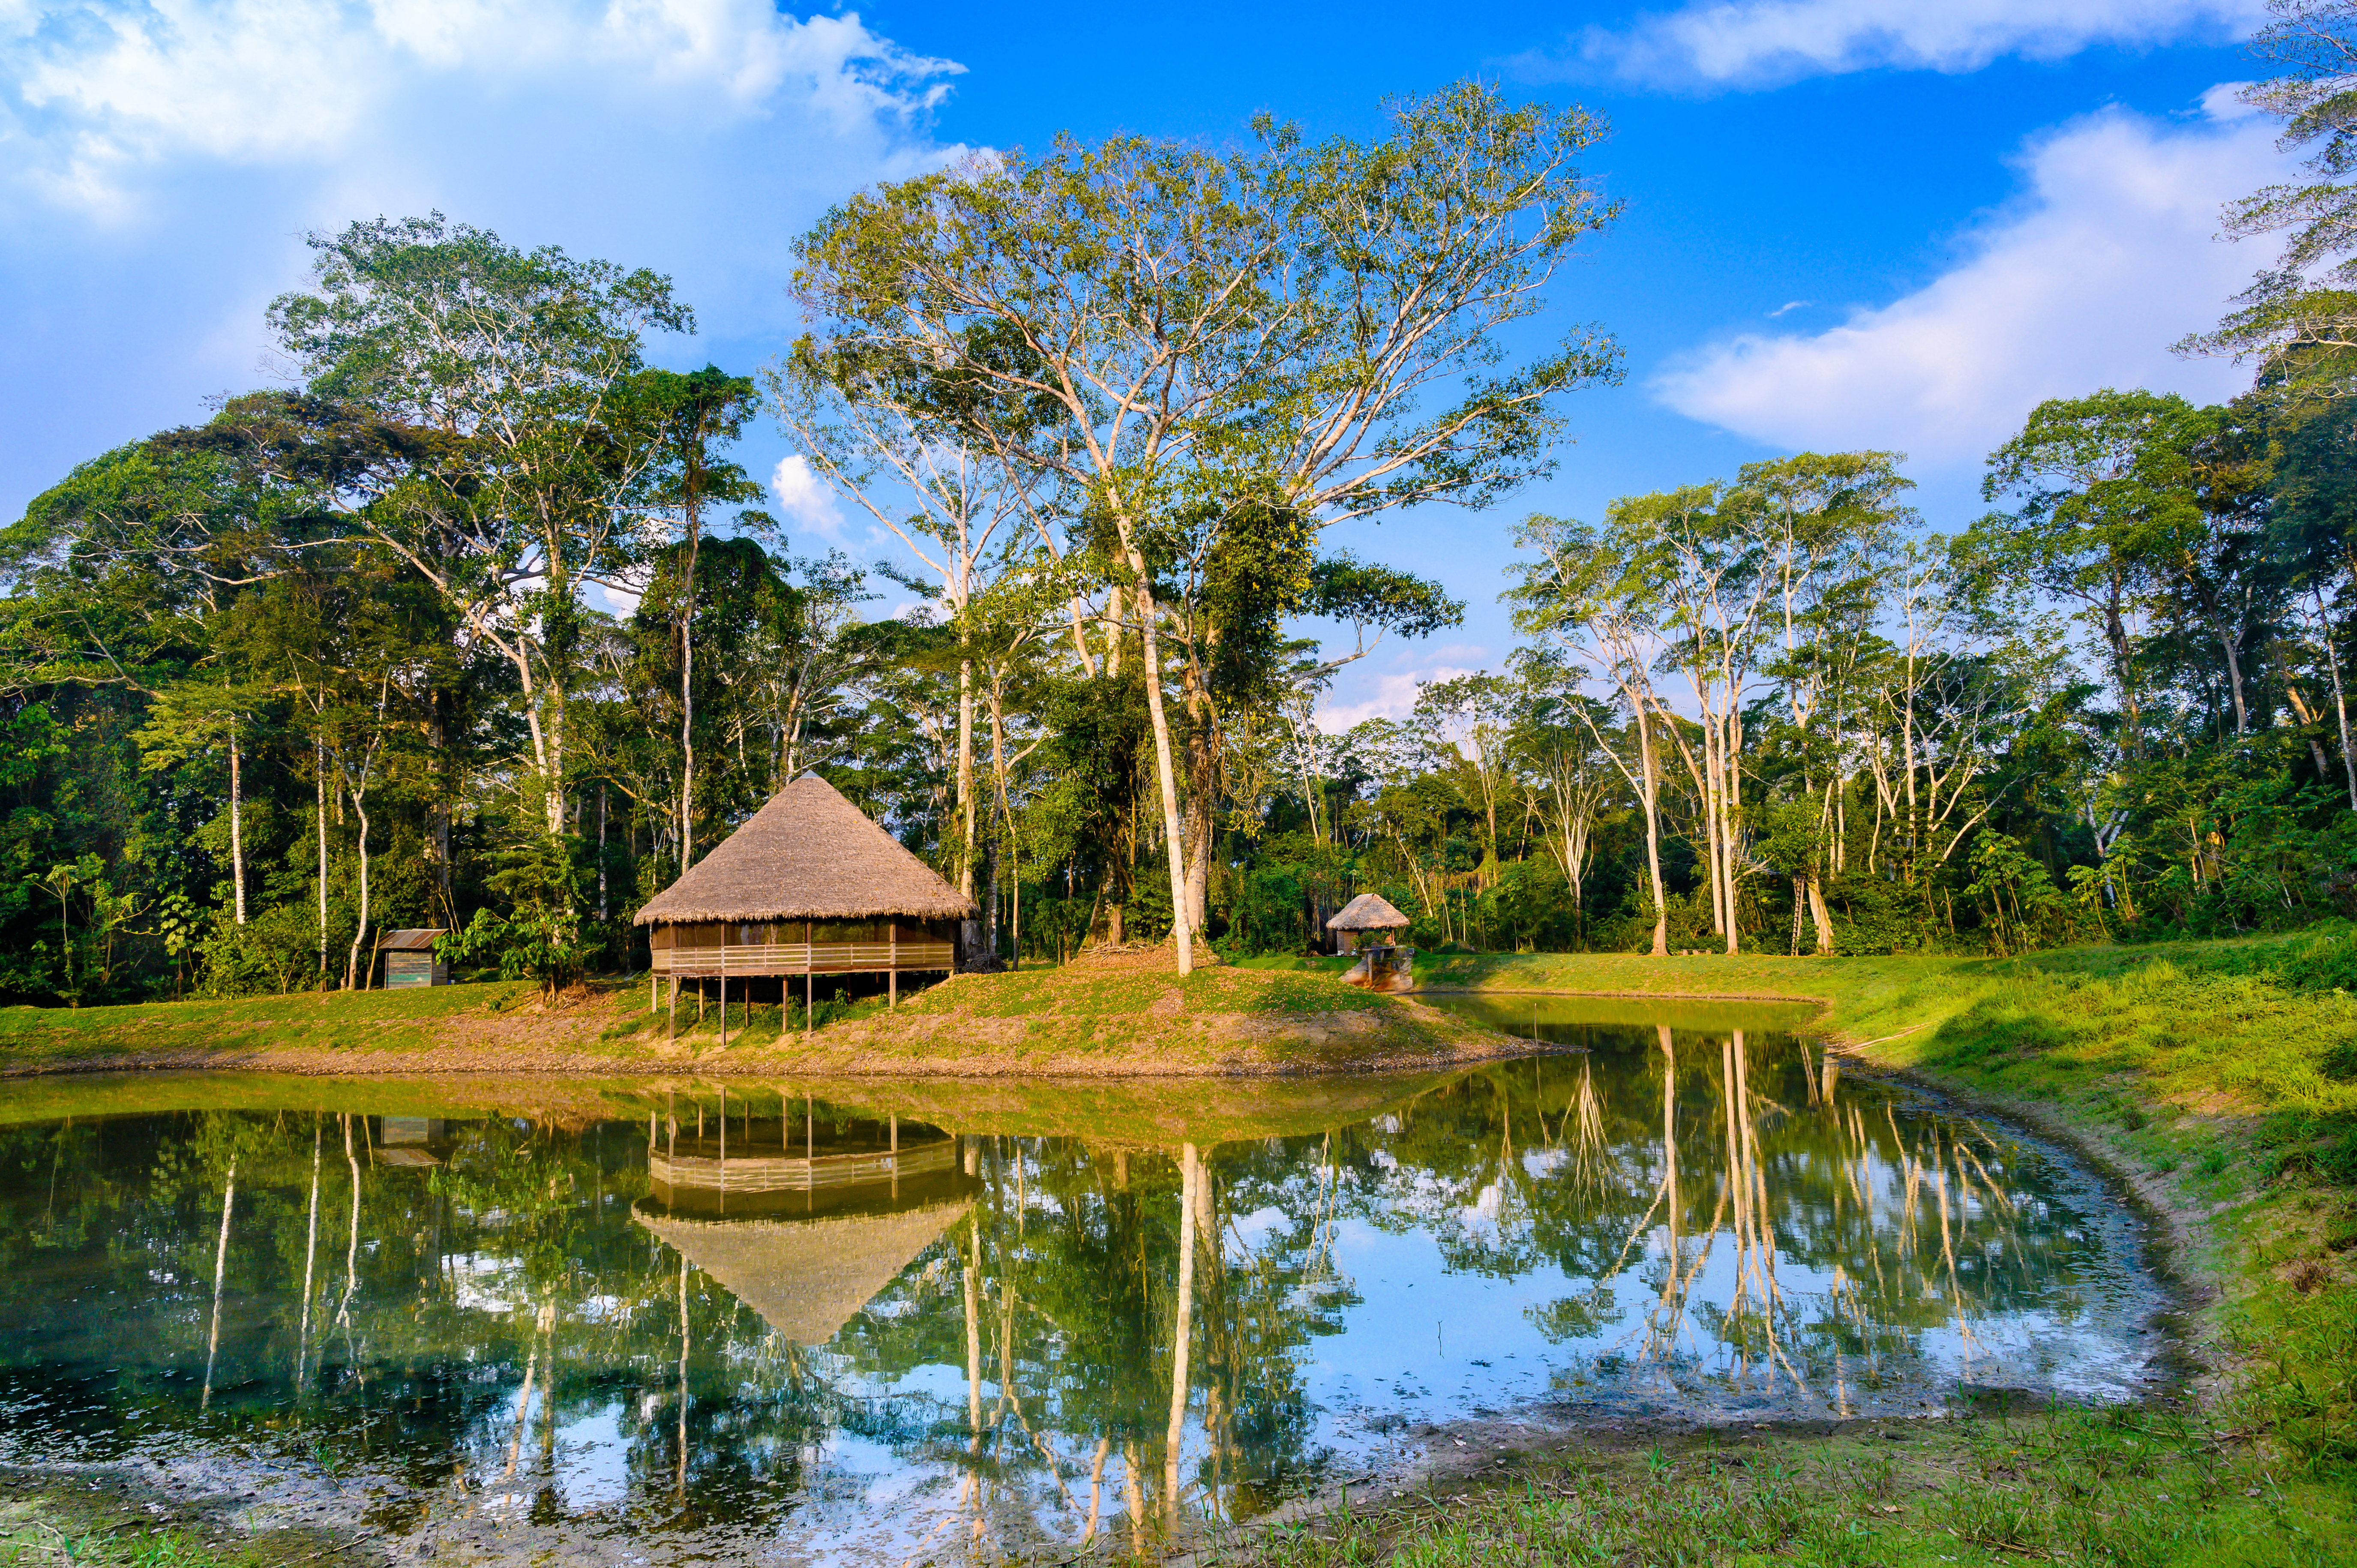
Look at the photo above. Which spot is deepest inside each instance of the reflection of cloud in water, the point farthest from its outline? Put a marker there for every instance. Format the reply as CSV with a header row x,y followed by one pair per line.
x,y
1251,1230
593,1458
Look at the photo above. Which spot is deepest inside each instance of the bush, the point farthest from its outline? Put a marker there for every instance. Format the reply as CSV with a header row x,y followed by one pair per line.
x,y
272,953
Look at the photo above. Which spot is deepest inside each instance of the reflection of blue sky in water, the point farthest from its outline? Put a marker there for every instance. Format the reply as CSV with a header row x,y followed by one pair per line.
x,y
1486,1247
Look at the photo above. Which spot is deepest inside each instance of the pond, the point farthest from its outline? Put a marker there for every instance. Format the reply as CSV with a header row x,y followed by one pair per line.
x,y
868,1321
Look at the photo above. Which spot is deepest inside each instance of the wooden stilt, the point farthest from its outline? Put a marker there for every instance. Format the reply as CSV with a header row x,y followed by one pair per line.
x,y
724,998
670,1029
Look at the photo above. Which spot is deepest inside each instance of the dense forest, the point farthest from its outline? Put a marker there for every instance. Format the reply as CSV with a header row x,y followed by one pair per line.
x,y
474,622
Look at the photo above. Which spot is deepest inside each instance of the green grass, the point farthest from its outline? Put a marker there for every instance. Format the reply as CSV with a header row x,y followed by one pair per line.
x,y
399,1020
1100,993
2122,1488
1077,1018
47,1523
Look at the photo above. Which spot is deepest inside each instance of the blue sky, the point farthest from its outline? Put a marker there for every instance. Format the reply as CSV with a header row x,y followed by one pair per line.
x,y
1850,222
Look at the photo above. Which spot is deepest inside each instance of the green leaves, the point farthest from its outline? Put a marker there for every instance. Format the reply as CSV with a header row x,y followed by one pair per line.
x,y
1315,326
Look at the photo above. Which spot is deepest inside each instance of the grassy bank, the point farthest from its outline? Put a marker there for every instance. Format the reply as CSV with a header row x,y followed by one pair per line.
x,y
409,1019
1111,1015
2219,1079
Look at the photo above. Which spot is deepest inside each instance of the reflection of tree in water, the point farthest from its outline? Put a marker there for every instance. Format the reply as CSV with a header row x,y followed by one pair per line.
x,y
1725,1212
1070,1262
1711,1170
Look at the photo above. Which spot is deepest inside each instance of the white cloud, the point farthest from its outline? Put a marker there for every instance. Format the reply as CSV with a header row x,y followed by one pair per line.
x,y
2108,258
1759,42
805,498
1392,693
98,94
160,161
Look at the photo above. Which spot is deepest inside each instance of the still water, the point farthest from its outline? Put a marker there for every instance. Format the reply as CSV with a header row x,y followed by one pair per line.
x,y
868,1322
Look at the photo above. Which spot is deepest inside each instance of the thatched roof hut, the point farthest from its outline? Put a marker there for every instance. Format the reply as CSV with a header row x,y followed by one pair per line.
x,y
807,1277
809,855
1367,912
809,885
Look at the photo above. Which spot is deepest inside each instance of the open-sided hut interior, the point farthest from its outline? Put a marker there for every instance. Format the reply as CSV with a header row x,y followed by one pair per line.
x,y
809,886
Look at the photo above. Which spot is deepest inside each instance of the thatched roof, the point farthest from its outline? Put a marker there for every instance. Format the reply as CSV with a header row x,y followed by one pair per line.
x,y
1368,912
809,855
410,939
807,1277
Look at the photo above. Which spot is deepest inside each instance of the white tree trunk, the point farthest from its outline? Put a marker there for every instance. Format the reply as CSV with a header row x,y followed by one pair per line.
x,y
360,931
1189,1178
319,769
2340,700
1651,790
1166,774
966,776
236,826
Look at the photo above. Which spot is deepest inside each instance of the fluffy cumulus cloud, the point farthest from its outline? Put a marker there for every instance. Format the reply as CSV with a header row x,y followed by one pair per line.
x,y
1760,42
2109,256
104,100
804,499
160,162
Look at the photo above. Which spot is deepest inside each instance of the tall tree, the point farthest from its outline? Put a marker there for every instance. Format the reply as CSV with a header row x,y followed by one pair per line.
x,y
694,414
524,365
2298,318
1589,595
1312,328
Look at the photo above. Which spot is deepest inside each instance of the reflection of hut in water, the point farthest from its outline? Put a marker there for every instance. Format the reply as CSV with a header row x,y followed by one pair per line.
x,y
809,886
1371,922
411,1140
805,1233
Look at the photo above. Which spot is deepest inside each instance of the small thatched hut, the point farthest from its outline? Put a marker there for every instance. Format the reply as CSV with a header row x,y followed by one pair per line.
x,y
1369,912
809,886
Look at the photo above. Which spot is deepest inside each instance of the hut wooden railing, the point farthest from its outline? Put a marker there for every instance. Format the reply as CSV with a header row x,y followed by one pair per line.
x,y
804,958
766,1171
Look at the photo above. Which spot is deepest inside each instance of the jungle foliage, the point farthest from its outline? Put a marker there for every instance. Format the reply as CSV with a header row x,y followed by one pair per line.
x,y
479,626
